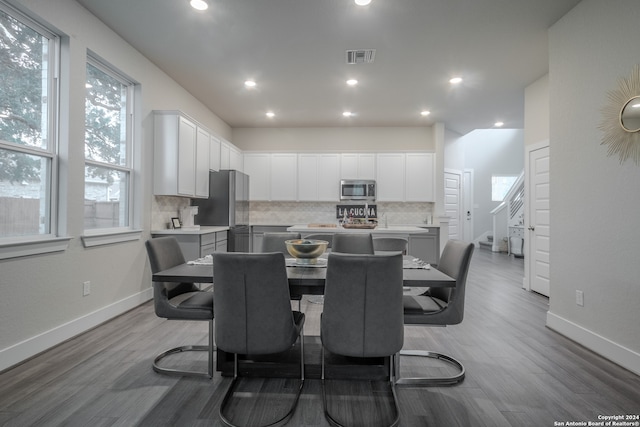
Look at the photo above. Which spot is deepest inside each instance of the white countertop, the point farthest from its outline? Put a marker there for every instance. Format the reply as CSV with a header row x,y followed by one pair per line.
x,y
397,229
204,229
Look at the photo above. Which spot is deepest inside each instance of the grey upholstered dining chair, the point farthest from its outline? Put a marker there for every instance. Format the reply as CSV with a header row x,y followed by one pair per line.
x,y
440,307
362,316
353,243
328,237
275,242
253,313
390,244
179,301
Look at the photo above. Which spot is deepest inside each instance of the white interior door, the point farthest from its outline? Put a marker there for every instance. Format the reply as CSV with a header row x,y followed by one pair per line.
x,y
538,227
467,205
453,202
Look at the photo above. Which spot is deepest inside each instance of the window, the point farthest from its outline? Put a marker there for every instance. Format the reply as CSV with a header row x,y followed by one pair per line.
x,y
28,101
500,186
108,148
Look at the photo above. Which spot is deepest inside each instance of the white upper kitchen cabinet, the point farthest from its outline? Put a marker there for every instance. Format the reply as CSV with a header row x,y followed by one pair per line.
x,y
390,177
258,167
236,161
420,177
214,154
284,176
358,166
225,155
308,177
177,169
203,150
231,157
329,177
318,177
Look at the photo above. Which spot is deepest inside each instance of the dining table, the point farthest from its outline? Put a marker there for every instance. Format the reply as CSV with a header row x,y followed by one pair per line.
x,y
307,280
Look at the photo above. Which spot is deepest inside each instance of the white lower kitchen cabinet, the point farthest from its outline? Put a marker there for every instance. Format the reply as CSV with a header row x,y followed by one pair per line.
x,y
198,243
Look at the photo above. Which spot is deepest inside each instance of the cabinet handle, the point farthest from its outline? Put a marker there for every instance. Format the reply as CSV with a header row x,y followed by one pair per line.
x,y
531,228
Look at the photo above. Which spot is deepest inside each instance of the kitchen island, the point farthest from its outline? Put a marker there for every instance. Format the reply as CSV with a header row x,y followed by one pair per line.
x,y
424,242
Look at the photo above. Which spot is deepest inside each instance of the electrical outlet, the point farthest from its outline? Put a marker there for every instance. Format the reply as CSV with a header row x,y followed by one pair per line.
x,y
580,298
86,288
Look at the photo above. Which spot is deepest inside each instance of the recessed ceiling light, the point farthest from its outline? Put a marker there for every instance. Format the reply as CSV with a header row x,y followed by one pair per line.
x,y
270,114
347,114
352,82
250,83
425,113
455,80
199,4
362,2
498,124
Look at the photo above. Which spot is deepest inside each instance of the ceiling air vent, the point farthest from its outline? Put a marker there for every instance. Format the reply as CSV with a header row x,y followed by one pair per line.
x,y
361,56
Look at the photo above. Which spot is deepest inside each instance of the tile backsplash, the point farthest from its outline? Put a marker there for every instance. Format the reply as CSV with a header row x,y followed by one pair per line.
x,y
289,213
325,212
164,208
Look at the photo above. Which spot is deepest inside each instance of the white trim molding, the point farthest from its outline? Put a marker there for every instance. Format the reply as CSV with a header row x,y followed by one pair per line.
x,y
33,346
21,248
608,349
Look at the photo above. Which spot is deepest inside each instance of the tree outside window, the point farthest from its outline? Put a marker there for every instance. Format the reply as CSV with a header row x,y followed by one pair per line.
x,y
27,129
108,165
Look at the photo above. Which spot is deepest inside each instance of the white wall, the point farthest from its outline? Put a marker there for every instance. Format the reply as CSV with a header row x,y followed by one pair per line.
x,y
595,200
42,301
335,139
536,111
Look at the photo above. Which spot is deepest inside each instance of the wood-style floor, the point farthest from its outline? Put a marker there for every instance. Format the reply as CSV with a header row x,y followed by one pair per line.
x,y
519,373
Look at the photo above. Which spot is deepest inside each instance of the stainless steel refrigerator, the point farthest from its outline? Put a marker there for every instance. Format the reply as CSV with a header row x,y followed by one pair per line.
x,y
227,205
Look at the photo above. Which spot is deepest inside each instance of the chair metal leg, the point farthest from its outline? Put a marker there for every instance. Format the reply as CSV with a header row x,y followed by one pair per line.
x,y
177,372
431,381
392,369
229,392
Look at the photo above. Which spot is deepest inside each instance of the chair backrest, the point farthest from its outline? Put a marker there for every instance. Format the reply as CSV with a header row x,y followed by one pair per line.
x,y
353,243
164,253
251,302
363,314
274,242
320,236
390,244
454,262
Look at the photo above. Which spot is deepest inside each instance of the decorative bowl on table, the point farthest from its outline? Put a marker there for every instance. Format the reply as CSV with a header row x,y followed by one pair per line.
x,y
306,251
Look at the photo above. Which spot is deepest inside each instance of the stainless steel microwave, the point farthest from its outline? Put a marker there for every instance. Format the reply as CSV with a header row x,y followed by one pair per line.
x,y
358,189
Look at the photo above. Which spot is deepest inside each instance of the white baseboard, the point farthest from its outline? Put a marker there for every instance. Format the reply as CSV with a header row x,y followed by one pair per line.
x,y
22,351
608,349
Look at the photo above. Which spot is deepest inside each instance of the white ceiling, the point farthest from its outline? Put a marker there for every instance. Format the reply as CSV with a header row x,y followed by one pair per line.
x,y
295,50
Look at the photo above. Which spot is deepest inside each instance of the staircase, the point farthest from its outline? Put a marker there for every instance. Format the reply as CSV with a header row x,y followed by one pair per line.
x,y
486,244
507,217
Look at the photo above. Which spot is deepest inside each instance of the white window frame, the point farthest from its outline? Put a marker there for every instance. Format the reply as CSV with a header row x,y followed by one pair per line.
x,y
502,176
19,246
105,236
